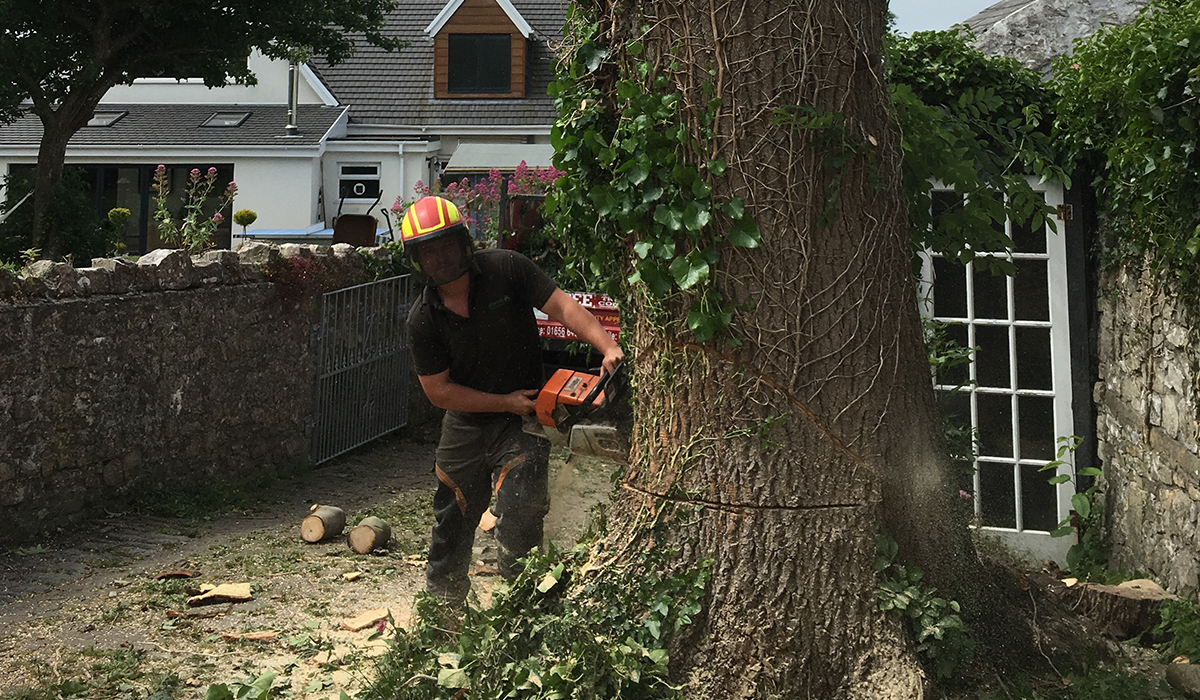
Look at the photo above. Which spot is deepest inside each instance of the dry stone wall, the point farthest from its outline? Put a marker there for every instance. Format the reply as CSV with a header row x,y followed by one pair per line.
x,y
171,370
1147,428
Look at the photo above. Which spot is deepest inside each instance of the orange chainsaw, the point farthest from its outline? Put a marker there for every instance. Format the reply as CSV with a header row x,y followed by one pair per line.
x,y
570,396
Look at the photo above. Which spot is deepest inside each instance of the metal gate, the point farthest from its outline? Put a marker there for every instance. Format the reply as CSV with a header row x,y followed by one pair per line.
x,y
363,366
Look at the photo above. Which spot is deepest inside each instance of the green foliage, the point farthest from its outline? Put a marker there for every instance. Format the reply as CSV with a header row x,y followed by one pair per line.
x,y
556,631
83,234
244,217
942,639
638,186
973,123
1129,108
1179,626
395,263
195,228
1088,557
250,689
119,216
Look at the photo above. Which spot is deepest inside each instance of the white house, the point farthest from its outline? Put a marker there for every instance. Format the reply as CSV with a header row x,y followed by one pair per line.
x,y
468,93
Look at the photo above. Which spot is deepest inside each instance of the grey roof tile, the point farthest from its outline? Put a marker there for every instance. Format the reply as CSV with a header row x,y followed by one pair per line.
x,y
397,88
179,125
983,20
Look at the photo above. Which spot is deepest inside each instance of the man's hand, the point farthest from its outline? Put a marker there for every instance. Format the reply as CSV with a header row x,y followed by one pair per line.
x,y
521,402
613,356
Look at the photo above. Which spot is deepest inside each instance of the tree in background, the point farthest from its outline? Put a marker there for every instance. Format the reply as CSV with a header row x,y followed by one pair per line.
x,y
63,55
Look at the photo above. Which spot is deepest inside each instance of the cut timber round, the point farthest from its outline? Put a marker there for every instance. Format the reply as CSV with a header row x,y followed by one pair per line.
x,y
1123,611
371,533
323,522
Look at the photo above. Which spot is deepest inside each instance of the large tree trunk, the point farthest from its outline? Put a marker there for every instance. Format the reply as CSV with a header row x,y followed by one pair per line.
x,y
59,124
820,431
48,177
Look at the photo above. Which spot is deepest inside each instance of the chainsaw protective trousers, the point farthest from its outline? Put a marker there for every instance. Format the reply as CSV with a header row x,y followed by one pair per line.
x,y
477,460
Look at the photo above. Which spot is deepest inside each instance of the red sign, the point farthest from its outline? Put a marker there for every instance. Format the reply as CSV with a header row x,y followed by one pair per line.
x,y
602,307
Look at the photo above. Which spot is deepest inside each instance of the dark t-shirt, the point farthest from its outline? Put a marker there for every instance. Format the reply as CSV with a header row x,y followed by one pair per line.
x,y
496,349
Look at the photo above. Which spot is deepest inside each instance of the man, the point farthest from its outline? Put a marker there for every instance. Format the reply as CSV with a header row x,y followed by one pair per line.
x,y
477,353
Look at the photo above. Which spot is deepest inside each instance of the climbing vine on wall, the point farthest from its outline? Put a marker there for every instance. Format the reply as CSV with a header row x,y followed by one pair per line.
x,y
639,185
1129,108
978,125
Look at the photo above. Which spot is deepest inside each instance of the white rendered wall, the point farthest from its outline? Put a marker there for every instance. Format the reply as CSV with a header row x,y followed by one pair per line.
x,y
272,88
281,190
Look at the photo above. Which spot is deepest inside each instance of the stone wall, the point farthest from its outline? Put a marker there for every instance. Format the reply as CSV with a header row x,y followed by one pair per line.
x,y
171,370
1149,436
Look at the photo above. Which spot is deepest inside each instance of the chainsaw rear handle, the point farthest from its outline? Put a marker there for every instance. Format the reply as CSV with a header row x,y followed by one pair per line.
x,y
600,385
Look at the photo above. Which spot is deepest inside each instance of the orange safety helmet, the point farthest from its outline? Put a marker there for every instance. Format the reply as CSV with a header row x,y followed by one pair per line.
x,y
430,218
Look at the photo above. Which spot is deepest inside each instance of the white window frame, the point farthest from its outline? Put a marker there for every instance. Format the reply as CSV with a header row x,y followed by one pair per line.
x,y
1037,545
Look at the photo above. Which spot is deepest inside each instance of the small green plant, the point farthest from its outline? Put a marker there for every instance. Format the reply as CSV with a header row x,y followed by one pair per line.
x,y
1086,558
195,229
244,217
251,689
942,638
1179,626
555,631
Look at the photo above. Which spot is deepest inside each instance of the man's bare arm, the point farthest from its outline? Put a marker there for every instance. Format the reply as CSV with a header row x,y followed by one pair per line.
x,y
444,393
563,308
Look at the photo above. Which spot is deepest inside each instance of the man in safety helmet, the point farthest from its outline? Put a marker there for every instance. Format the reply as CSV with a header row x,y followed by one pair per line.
x,y
476,349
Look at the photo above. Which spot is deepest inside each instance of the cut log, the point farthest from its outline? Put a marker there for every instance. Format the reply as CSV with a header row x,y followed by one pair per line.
x,y
1123,611
322,523
371,533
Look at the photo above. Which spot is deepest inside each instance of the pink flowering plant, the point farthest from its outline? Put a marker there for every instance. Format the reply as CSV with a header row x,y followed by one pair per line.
x,y
480,203
194,230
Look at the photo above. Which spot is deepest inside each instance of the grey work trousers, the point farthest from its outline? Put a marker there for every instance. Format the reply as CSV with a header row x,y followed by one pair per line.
x,y
476,460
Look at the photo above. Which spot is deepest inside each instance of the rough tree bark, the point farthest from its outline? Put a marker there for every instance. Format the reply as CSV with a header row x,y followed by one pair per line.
x,y
59,124
820,431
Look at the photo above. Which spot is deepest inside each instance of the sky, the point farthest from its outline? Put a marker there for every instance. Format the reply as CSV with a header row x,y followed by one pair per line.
x,y
918,15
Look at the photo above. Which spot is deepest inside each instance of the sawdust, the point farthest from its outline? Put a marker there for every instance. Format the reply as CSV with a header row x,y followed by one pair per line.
x,y
66,606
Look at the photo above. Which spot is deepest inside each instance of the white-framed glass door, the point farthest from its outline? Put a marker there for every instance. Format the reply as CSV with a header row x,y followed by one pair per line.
x,y
1016,391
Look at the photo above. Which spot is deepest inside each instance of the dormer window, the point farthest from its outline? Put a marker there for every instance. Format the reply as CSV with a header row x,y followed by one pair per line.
x,y
479,63
480,52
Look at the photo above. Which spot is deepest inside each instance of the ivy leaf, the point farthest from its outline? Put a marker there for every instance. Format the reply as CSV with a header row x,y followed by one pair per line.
x,y
745,234
638,174
668,216
716,166
453,678
592,55
694,217
689,271
734,208
1059,479
651,194
642,249
634,48
652,275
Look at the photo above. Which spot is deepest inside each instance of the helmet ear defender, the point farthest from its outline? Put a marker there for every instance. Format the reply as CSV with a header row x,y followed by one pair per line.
x,y
431,218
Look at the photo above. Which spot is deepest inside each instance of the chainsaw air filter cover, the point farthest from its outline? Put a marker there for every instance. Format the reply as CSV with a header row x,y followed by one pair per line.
x,y
567,396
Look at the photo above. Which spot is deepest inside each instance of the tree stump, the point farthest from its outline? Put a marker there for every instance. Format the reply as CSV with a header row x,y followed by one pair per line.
x,y
322,523
1124,611
371,533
